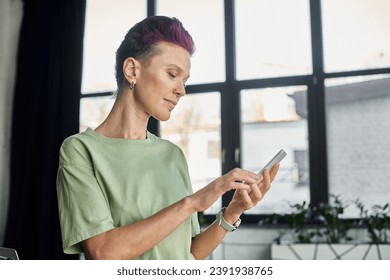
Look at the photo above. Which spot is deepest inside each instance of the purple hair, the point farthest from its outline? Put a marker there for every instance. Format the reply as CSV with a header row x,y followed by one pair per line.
x,y
140,40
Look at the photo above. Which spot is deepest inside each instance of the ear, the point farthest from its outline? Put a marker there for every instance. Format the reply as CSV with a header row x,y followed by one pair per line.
x,y
130,69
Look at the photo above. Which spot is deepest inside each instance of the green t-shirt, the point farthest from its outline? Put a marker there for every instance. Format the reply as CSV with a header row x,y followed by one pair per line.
x,y
103,183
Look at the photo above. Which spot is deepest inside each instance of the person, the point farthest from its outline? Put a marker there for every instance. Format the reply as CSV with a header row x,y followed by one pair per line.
x,y
123,192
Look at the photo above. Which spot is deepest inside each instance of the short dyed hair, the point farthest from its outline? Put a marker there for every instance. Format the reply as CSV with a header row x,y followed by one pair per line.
x,y
141,39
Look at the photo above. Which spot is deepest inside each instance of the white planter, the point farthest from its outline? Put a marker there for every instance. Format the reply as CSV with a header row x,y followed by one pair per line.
x,y
330,251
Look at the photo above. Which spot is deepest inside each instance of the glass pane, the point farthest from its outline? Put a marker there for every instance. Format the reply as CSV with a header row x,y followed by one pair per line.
x,y
274,119
106,24
272,38
195,127
356,34
94,110
358,139
204,21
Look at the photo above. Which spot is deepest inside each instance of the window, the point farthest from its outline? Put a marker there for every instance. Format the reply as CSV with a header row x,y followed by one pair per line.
x,y
270,122
358,122
105,26
273,38
195,127
356,34
355,41
310,77
301,168
93,111
204,20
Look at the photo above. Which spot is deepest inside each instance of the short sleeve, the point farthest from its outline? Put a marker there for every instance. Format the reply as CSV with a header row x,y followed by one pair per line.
x,y
83,209
195,227
195,224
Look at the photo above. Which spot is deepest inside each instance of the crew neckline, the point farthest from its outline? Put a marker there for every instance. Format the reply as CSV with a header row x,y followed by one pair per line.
x,y
150,138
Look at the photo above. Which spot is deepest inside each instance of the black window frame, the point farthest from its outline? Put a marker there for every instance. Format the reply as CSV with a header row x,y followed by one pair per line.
x,y
230,103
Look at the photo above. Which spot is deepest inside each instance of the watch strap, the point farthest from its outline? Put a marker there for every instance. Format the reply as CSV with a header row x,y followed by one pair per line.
x,y
223,223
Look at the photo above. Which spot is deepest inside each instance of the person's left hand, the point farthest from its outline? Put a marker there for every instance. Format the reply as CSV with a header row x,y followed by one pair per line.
x,y
244,200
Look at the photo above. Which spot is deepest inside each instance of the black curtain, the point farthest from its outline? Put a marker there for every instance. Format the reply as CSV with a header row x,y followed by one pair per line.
x,y
45,112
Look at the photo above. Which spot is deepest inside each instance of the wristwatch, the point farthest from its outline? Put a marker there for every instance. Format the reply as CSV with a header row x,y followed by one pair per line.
x,y
223,223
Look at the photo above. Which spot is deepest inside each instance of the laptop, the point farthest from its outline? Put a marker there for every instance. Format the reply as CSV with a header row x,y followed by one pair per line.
x,y
8,254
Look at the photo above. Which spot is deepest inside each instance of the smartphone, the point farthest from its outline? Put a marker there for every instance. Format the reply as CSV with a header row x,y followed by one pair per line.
x,y
277,158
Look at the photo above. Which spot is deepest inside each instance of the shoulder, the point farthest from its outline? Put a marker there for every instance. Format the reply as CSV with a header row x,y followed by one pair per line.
x,y
167,144
75,148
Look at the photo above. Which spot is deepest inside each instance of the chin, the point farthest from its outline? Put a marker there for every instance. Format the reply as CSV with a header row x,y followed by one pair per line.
x,y
163,118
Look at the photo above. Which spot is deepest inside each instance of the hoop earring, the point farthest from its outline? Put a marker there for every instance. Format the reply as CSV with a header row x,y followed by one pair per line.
x,y
131,85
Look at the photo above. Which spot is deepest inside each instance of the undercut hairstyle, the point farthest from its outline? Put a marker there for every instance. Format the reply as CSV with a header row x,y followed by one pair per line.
x,y
140,41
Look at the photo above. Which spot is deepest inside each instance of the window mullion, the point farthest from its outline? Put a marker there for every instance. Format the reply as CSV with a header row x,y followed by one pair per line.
x,y
316,112
230,102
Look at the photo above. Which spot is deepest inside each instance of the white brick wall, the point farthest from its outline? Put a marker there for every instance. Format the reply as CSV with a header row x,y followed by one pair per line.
x,y
359,149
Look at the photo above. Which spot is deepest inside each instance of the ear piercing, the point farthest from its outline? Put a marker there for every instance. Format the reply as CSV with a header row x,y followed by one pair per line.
x,y
131,85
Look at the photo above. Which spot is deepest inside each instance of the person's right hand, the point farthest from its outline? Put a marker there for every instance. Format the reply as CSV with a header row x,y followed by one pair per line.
x,y
205,197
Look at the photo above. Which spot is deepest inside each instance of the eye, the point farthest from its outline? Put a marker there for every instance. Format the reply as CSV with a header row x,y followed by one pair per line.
x,y
172,75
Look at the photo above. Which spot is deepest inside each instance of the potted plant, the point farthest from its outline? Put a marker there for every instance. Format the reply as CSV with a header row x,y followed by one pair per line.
x,y
299,223
335,229
318,233
377,223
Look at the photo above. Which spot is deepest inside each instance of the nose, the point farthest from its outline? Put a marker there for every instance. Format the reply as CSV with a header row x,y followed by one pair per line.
x,y
180,90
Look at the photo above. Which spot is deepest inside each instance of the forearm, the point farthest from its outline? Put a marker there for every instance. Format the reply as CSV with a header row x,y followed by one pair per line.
x,y
131,241
205,243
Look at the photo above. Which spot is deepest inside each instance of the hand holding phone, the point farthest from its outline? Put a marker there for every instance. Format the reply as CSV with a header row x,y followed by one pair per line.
x,y
277,158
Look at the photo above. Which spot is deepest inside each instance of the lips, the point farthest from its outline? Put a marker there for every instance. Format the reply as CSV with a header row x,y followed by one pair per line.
x,y
172,102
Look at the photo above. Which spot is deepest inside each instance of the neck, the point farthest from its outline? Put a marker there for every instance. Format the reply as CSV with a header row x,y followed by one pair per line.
x,y
124,122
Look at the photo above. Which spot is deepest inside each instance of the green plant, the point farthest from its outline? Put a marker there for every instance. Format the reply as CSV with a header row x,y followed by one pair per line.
x,y
335,229
319,224
377,221
298,222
